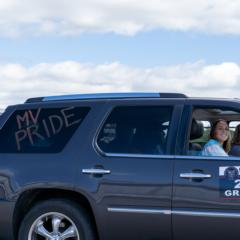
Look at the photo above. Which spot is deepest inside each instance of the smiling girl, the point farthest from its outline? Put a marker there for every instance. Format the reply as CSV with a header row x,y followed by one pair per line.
x,y
219,143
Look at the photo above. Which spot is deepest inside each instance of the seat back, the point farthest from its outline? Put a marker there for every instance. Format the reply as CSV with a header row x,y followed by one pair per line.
x,y
149,140
197,131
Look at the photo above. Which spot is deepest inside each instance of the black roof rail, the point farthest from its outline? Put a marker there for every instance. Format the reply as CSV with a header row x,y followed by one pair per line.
x,y
106,96
173,95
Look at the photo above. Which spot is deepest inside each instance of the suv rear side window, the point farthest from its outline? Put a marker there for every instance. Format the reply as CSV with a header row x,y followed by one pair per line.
x,y
136,130
41,130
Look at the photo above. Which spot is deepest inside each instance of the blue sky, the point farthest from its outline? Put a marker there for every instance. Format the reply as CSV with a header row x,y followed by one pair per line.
x,y
145,49
75,46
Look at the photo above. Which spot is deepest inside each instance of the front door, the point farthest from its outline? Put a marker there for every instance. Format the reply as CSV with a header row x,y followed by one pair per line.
x,y
206,196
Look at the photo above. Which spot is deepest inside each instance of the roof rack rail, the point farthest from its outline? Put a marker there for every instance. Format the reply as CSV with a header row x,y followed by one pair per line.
x,y
105,96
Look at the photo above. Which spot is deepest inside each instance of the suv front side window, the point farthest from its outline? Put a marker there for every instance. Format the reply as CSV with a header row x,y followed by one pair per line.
x,y
136,130
202,123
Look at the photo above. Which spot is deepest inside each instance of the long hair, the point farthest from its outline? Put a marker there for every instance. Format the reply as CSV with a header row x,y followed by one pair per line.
x,y
227,143
236,136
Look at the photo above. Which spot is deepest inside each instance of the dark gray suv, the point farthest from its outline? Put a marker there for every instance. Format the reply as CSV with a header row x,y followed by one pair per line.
x,y
117,166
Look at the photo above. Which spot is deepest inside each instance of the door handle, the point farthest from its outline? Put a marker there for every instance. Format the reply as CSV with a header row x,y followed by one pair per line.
x,y
96,171
195,175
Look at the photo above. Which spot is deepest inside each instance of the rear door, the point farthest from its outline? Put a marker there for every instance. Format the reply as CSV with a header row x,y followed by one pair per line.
x,y
206,198
130,169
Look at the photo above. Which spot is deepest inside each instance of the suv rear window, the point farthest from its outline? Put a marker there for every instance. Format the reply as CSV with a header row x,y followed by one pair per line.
x,y
137,130
41,130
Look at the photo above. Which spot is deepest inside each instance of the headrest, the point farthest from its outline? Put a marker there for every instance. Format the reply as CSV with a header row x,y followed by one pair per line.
x,y
196,129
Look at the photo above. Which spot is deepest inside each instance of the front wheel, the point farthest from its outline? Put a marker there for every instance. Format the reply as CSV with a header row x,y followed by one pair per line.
x,y
56,220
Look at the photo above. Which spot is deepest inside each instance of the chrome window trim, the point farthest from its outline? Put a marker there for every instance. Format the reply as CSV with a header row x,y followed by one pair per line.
x,y
173,212
137,155
97,149
167,156
207,158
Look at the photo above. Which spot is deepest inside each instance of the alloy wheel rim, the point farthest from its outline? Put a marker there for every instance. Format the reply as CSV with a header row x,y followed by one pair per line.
x,y
53,226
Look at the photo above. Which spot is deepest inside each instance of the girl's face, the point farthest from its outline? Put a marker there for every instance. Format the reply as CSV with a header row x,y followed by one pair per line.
x,y
221,132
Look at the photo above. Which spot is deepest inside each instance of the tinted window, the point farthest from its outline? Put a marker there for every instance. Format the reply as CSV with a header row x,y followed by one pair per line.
x,y
139,130
40,130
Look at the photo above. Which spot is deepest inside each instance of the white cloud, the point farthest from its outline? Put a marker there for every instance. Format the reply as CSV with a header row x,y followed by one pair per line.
x,y
19,82
71,17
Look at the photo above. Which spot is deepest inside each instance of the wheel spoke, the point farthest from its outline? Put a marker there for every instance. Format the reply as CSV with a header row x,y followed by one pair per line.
x,y
56,220
70,232
41,230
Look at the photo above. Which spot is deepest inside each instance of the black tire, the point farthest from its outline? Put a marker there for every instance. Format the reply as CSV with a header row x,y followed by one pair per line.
x,y
74,214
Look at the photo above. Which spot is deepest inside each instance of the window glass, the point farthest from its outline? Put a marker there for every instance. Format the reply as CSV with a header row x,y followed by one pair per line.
x,y
232,126
42,130
212,132
138,129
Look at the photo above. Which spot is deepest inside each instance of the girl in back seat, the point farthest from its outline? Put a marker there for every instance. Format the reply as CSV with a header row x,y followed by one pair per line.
x,y
219,143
